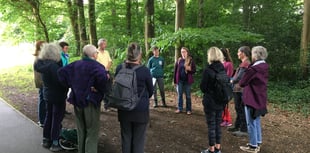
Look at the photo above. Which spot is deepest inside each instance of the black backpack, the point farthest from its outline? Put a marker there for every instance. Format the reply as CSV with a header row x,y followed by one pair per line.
x,y
222,92
124,92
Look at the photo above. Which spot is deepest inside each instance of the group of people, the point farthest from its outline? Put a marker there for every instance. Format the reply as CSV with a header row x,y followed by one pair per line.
x,y
88,80
249,84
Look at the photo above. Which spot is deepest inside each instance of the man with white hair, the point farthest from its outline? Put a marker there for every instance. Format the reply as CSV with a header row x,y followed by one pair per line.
x,y
87,78
104,55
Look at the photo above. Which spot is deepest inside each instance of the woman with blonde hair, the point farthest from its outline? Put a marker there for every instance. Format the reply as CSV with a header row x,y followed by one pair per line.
x,y
212,108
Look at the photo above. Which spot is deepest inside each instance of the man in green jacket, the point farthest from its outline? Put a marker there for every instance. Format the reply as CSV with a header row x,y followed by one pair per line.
x,y
156,66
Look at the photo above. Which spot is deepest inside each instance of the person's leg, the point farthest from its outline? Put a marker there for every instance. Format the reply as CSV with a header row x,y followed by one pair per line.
x,y
126,134
259,137
58,115
161,87
81,128
237,99
180,96
251,127
92,115
41,107
210,118
218,131
138,140
243,124
47,126
155,92
188,97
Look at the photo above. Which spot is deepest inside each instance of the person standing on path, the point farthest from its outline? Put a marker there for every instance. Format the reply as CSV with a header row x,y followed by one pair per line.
x,y
184,69
134,123
87,78
213,109
254,82
65,61
240,127
156,65
39,84
229,67
55,94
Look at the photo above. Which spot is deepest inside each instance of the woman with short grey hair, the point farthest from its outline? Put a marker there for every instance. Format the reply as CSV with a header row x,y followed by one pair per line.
x,y
55,94
254,97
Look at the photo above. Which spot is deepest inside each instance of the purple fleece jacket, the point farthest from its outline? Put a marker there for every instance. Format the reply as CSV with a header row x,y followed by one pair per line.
x,y
254,82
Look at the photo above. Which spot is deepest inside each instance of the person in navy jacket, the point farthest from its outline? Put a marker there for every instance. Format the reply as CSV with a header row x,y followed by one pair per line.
x,y
87,79
134,123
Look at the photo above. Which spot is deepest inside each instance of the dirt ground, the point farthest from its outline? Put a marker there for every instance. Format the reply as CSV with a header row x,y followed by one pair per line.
x,y
283,132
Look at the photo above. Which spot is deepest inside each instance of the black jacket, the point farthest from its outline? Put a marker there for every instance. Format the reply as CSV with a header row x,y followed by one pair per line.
x,y
53,91
207,85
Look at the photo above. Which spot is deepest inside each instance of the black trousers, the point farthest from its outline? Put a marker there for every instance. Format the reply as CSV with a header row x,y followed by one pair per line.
x,y
239,107
133,136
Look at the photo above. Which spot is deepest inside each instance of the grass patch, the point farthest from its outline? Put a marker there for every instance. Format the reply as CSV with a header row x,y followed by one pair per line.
x,y
19,77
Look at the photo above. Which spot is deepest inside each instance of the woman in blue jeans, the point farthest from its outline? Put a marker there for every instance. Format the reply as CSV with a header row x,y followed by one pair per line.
x,y
39,84
254,97
183,78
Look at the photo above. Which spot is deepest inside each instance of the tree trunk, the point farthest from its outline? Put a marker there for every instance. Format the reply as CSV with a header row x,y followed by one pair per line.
x,y
92,22
128,17
200,18
305,41
113,13
36,12
179,23
81,23
73,15
149,23
246,13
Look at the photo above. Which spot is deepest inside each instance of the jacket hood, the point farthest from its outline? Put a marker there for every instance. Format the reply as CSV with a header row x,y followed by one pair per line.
x,y
261,67
217,66
43,65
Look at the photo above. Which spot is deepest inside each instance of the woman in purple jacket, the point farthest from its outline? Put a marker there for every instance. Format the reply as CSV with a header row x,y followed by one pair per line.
x,y
254,97
184,69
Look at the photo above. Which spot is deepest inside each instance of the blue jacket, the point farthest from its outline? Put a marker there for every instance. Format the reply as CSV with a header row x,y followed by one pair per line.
x,y
80,76
141,112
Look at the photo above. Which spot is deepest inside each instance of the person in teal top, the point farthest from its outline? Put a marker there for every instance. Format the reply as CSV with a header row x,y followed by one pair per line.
x,y
156,66
64,53
65,61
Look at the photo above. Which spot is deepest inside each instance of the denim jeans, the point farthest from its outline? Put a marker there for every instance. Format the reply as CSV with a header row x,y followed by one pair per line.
x,y
41,107
254,128
183,86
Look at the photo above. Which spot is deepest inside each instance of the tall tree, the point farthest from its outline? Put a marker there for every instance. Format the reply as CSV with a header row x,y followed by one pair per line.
x,y
73,14
305,40
36,12
149,23
128,17
179,23
200,18
246,13
92,22
82,26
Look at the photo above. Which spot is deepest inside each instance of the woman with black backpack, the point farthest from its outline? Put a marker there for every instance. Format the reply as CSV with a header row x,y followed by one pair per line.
x,y
213,108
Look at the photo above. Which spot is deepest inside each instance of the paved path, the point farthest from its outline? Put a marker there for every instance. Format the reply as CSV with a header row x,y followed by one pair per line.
x,y
18,134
